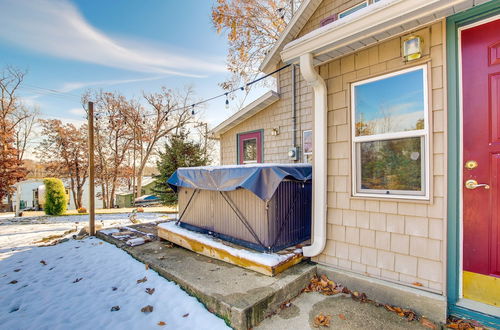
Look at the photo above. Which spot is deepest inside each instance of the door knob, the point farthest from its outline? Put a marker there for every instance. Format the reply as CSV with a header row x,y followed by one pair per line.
x,y
472,184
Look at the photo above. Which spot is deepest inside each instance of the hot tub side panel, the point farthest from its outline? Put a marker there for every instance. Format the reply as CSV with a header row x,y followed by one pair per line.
x,y
290,211
209,212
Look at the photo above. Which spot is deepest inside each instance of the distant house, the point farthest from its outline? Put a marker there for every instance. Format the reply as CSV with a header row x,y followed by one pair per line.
x,y
126,198
401,100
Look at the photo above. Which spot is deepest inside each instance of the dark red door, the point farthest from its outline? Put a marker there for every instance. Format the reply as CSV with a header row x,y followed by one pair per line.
x,y
481,149
250,147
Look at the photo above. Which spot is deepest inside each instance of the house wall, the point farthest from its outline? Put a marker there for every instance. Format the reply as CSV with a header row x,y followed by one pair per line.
x,y
401,241
396,240
277,115
326,9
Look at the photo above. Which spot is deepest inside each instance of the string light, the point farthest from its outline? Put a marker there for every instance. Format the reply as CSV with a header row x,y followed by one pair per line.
x,y
51,92
227,102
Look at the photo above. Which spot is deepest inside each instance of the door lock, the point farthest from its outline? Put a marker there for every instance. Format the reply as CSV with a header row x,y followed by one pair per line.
x,y
472,184
471,164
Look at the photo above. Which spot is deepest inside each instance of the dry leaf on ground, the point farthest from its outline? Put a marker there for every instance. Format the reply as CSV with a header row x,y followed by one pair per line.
x,y
428,324
43,262
147,266
147,309
322,320
185,315
342,317
161,323
115,308
142,280
78,280
150,290
13,282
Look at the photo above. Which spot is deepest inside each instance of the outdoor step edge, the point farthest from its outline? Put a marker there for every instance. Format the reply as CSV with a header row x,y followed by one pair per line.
x,y
299,283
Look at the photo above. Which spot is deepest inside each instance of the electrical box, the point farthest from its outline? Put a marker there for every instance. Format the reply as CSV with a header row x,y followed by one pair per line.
x,y
293,153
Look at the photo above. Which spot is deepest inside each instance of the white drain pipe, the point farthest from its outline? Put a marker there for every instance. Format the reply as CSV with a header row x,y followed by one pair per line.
x,y
318,234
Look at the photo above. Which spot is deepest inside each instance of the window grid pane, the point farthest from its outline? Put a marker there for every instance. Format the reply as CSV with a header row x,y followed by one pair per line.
x,y
391,166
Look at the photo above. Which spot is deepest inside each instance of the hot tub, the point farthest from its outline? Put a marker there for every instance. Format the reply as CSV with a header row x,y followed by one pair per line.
x,y
266,207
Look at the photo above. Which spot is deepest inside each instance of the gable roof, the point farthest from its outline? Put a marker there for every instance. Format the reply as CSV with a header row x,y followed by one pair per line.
x,y
299,20
251,109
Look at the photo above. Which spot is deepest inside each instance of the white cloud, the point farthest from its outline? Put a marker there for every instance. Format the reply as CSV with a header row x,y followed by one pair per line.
x,y
77,111
56,27
71,86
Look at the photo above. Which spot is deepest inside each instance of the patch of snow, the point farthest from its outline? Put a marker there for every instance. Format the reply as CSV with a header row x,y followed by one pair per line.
x,y
268,259
80,281
21,233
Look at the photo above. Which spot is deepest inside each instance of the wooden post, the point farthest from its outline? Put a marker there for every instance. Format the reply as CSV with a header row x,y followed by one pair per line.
x,y
91,169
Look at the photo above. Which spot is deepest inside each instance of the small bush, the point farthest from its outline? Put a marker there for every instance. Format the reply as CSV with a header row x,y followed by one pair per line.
x,y
55,197
81,210
140,209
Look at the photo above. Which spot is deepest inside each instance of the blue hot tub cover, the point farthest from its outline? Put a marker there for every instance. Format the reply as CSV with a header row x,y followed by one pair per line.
x,y
261,179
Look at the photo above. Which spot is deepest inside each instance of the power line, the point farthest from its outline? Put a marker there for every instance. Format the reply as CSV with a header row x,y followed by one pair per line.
x,y
53,92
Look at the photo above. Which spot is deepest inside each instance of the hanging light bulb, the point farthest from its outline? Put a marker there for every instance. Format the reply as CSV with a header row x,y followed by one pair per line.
x,y
227,102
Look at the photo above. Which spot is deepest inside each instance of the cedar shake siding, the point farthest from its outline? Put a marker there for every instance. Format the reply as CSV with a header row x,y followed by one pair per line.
x,y
398,240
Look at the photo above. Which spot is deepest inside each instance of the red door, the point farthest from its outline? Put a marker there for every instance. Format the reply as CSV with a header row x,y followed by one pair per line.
x,y
250,147
481,156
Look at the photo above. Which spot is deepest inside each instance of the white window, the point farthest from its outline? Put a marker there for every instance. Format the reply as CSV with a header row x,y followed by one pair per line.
x,y
353,9
390,135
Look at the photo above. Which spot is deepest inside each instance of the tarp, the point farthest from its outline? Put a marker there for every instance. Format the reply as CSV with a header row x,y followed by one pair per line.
x,y
261,179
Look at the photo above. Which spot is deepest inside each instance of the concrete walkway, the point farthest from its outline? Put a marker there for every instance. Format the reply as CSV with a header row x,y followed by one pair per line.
x,y
246,299
302,311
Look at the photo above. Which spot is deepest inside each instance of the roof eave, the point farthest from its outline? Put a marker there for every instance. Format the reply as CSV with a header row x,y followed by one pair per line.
x,y
300,18
368,21
251,109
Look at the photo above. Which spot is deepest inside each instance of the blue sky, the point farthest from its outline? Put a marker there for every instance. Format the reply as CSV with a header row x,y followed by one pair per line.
x,y
400,96
125,46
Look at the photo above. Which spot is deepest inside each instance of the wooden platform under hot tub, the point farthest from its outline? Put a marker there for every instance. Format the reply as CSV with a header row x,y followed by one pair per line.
x,y
269,264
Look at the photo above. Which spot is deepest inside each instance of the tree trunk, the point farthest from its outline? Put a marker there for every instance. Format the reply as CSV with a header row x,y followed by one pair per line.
x,y
103,196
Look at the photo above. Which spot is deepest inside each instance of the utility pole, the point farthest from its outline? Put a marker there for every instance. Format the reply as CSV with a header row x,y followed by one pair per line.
x,y
91,170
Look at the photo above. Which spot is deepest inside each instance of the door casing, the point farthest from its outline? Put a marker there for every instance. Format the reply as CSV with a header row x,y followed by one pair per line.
x,y
472,17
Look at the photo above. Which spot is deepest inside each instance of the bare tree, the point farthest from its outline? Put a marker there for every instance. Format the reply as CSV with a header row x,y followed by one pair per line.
x,y
252,27
113,139
24,129
166,113
64,151
20,118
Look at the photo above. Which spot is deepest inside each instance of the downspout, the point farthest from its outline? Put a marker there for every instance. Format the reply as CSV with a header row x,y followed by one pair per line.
x,y
318,234
294,110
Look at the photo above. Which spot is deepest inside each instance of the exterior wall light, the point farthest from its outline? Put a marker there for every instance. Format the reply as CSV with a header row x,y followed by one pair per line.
x,y
412,48
275,131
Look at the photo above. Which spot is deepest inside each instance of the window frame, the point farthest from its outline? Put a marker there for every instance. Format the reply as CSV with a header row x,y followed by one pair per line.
x,y
249,135
424,134
256,160
356,7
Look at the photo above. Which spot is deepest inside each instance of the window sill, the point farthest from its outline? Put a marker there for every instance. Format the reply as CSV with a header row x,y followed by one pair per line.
x,y
404,199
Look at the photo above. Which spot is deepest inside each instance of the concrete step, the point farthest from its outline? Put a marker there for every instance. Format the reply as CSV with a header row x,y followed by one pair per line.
x,y
241,297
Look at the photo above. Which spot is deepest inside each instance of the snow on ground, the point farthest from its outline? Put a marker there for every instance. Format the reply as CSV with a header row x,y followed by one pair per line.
x,y
78,283
21,233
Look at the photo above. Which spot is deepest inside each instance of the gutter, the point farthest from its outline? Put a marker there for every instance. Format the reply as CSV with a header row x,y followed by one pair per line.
x,y
318,233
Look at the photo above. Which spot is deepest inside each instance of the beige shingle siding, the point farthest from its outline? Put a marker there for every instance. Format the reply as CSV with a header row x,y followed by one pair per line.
x,y
395,240
276,115
326,8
